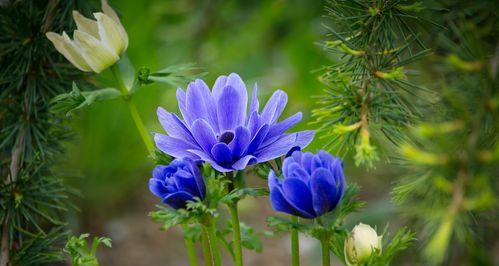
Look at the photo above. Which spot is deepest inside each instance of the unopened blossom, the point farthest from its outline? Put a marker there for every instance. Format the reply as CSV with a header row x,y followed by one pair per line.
x,y
96,44
177,183
218,127
361,243
311,185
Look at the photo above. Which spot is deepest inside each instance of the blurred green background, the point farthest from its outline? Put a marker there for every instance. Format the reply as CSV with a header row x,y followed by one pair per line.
x,y
274,43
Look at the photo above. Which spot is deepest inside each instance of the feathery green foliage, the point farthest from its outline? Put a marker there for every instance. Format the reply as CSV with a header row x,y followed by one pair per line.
x,y
454,153
32,196
369,97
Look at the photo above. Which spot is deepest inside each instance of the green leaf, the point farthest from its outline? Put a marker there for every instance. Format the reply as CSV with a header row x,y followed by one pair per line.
x,y
279,224
80,252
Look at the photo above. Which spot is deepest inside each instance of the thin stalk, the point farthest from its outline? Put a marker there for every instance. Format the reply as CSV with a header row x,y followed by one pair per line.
x,y
208,256
238,252
295,246
191,252
133,111
325,252
210,247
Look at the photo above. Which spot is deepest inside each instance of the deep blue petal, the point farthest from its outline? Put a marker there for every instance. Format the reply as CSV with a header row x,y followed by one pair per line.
x,y
200,103
204,134
178,200
273,180
240,142
306,161
209,159
157,187
324,191
274,107
280,204
297,193
173,146
221,153
231,108
185,181
159,172
244,161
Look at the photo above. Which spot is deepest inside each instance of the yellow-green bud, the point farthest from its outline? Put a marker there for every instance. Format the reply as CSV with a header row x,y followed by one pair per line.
x,y
363,240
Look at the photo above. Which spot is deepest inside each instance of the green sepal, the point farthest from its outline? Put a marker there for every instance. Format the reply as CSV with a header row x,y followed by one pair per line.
x,y
77,99
239,194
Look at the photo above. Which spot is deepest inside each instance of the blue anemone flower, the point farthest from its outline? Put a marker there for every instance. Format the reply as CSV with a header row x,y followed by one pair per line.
x,y
177,183
218,128
312,185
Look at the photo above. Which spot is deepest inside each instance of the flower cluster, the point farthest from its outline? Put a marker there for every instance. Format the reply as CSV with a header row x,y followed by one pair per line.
x,y
218,128
312,184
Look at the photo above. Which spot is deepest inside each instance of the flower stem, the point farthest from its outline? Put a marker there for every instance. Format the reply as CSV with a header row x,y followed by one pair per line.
x,y
238,252
210,247
295,246
325,252
191,252
133,111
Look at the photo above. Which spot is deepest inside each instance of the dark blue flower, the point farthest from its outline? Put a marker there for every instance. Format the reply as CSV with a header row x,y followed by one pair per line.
x,y
217,126
312,184
177,183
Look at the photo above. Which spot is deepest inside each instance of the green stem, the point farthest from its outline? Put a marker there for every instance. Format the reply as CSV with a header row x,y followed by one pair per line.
x,y
133,111
238,252
191,252
325,252
295,246
210,247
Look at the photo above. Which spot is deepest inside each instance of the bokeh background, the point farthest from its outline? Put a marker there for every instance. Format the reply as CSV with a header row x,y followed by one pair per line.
x,y
273,43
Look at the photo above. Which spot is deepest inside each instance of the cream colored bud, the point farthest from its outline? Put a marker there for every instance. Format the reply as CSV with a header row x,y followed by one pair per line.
x,y
363,240
97,44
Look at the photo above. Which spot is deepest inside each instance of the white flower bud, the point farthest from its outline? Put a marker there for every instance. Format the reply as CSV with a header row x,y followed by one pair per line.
x,y
360,244
97,44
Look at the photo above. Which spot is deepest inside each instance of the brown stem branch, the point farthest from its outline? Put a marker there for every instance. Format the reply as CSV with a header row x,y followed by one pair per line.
x,y
14,171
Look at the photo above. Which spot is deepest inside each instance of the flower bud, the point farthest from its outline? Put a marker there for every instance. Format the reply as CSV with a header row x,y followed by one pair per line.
x,y
360,244
97,44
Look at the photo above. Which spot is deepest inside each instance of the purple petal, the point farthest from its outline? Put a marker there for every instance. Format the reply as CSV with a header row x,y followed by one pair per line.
x,y
240,142
284,144
254,123
274,107
255,104
183,107
173,146
178,200
297,193
173,125
204,135
231,108
200,103
324,191
245,161
221,153
281,127
257,140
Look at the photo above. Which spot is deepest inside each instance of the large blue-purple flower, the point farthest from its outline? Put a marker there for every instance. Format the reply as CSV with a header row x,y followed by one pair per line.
x,y
312,184
177,183
219,128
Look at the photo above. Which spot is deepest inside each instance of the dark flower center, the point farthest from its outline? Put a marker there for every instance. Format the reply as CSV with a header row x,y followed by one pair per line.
x,y
226,137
